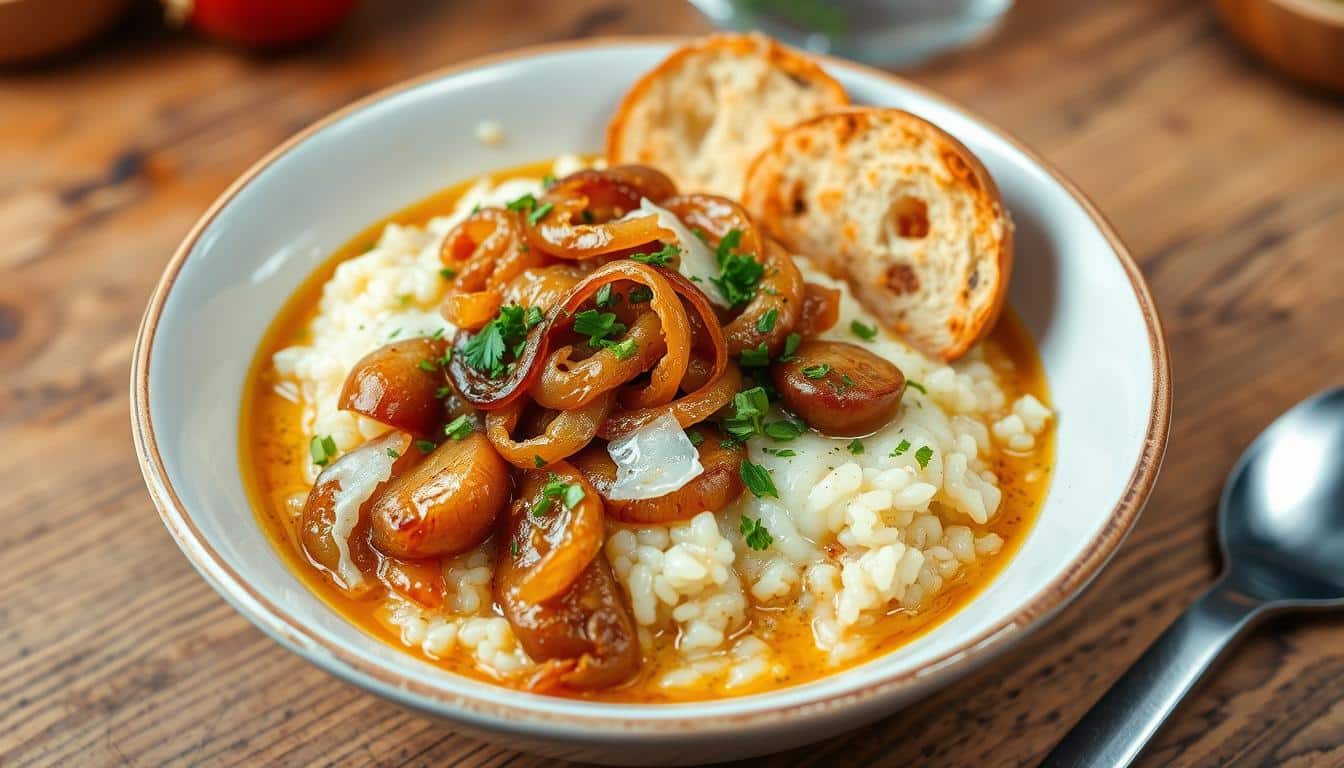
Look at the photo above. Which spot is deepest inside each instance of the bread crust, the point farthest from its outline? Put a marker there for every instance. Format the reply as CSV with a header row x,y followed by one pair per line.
x,y
804,208
633,138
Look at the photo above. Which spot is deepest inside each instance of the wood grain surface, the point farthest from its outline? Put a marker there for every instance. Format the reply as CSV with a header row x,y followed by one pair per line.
x,y
1227,182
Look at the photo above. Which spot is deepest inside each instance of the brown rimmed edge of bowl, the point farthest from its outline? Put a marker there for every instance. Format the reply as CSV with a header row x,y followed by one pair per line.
x,y
416,694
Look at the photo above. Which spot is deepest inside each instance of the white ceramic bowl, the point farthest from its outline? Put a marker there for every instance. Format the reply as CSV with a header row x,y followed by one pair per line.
x,y
1075,285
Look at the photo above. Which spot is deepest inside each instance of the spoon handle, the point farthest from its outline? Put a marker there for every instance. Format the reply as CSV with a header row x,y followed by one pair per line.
x,y
1118,726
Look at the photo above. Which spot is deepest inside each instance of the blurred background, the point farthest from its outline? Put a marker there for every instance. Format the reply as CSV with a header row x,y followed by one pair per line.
x,y
1211,132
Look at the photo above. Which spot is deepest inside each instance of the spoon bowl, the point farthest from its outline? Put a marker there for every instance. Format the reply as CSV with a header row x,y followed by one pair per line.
x,y
1281,520
1281,529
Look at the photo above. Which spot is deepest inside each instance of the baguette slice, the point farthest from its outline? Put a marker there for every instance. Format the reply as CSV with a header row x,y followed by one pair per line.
x,y
901,211
709,108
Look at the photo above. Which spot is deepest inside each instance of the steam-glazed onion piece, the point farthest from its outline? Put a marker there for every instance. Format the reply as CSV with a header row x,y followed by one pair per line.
x,y
688,410
838,388
581,217
821,309
563,534
485,251
566,383
397,385
566,434
717,486
443,505
334,526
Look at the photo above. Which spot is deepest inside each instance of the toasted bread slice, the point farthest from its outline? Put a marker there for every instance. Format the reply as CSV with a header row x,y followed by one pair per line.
x,y
711,106
900,210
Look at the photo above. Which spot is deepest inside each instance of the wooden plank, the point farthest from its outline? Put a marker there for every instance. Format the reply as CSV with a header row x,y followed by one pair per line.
x,y
1226,181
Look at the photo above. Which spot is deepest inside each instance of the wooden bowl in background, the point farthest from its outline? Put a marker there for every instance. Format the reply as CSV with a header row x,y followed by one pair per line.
x,y
33,29
1303,38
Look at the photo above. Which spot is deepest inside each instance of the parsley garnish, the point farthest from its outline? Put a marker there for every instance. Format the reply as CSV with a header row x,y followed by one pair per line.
x,y
757,537
755,358
539,213
597,326
640,294
916,385
845,383
604,296
757,479
506,332
696,438
855,447
548,181
425,366
783,453
865,332
624,350
525,203
923,455
447,274
443,392
739,274
658,258
900,448
816,371
393,453
784,430
425,446
791,343
513,548
568,494
538,461
322,448
766,322
749,409
394,334
458,428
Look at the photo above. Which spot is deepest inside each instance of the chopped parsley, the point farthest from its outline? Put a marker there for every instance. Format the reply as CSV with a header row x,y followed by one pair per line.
x,y
458,428
425,366
749,409
322,448
759,357
447,274
783,453
658,258
900,449
784,430
640,294
755,534
923,455
766,322
507,332
817,371
865,332
597,326
739,274
856,447
568,494
791,343
696,438
525,203
539,213
538,461
624,350
513,548
392,452
425,446
548,181
394,334
443,392
604,296
845,383
911,384
757,479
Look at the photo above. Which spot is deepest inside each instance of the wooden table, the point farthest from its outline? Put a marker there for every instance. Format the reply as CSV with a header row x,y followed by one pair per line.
x,y
1227,183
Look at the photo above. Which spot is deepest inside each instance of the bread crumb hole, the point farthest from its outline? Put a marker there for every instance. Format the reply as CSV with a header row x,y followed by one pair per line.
x,y
911,217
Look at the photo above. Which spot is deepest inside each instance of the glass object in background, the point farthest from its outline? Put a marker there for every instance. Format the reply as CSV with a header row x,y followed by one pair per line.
x,y
882,32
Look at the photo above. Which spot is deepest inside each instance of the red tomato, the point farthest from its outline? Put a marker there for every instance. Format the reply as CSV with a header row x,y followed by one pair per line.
x,y
267,23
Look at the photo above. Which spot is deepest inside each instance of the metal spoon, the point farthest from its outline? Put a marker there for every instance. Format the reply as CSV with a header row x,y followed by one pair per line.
x,y
1281,529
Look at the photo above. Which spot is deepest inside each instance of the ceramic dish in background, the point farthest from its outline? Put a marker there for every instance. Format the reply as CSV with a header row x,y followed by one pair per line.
x,y
1075,286
1303,38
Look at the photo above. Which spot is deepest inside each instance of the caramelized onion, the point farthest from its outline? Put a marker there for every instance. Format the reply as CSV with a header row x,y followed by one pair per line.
x,y
584,220
486,250
713,489
543,287
392,386
821,309
781,290
564,383
560,540
688,410
488,393
418,580
566,435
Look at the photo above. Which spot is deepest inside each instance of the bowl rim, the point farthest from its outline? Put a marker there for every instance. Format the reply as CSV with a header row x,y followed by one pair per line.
x,y
1324,12
639,719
